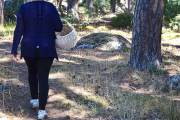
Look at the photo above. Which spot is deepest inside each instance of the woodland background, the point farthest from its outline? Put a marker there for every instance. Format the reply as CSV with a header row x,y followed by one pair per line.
x,y
132,83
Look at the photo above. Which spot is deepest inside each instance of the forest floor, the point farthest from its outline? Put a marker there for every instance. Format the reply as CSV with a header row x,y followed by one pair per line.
x,y
92,85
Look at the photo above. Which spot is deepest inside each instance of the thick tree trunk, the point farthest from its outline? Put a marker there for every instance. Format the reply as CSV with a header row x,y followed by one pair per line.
x,y
147,29
113,6
73,7
1,12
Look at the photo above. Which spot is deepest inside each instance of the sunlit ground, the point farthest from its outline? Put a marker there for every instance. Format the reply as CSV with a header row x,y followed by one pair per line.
x,y
93,84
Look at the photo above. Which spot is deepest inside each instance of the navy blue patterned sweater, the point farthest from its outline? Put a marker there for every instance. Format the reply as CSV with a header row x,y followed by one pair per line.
x,y
37,22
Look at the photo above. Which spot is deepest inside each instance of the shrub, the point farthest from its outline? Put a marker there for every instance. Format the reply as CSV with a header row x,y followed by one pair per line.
x,y
11,9
123,20
157,71
175,23
171,9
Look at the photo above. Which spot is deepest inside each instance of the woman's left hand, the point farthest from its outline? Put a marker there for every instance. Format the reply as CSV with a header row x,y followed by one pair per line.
x,y
15,58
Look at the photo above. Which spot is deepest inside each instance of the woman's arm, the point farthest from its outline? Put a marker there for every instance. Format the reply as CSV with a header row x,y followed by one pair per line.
x,y
57,21
18,32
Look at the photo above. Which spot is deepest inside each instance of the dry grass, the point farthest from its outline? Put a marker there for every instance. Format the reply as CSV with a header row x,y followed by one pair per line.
x,y
92,84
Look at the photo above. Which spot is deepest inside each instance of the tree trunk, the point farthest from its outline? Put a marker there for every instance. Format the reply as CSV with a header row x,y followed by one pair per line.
x,y
90,3
90,7
1,12
73,8
118,2
123,7
113,6
59,2
147,29
129,5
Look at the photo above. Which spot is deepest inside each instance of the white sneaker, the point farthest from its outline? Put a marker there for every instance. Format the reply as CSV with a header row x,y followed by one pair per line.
x,y
34,103
42,114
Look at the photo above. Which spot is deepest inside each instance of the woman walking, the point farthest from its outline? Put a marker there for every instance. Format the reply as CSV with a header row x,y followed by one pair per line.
x,y
37,22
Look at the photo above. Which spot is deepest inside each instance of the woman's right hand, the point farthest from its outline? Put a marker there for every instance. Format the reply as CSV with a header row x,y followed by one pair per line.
x,y
15,58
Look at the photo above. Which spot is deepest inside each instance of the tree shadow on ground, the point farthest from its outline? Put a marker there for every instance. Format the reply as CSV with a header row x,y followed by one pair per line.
x,y
82,83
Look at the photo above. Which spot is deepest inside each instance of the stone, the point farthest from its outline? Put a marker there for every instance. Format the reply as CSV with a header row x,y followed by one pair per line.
x,y
86,46
173,82
104,42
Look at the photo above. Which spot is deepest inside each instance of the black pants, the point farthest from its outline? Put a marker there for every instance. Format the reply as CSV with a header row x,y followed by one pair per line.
x,y
38,70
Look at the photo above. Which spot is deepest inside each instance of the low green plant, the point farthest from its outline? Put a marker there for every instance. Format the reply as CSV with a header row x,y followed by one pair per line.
x,y
123,20
8,29
11,9
175,23
157,71
171,9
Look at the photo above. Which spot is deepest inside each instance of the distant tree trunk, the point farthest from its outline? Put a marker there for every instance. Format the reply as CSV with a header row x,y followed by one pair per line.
x,y
147,29
59,2
129,5
73,7
90,3
118,2
123,7
1,12
90,6
113,6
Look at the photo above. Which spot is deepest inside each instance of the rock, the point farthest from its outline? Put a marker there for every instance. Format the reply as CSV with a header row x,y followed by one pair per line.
x,y
85,46
173,82
113,45
103,41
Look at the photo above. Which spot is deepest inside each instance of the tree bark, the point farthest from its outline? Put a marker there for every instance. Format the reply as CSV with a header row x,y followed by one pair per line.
x,y
113,6
1,12
147,29
73,8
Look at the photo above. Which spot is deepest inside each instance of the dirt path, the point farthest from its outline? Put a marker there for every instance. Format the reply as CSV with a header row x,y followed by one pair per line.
x,y
16,93
84,84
